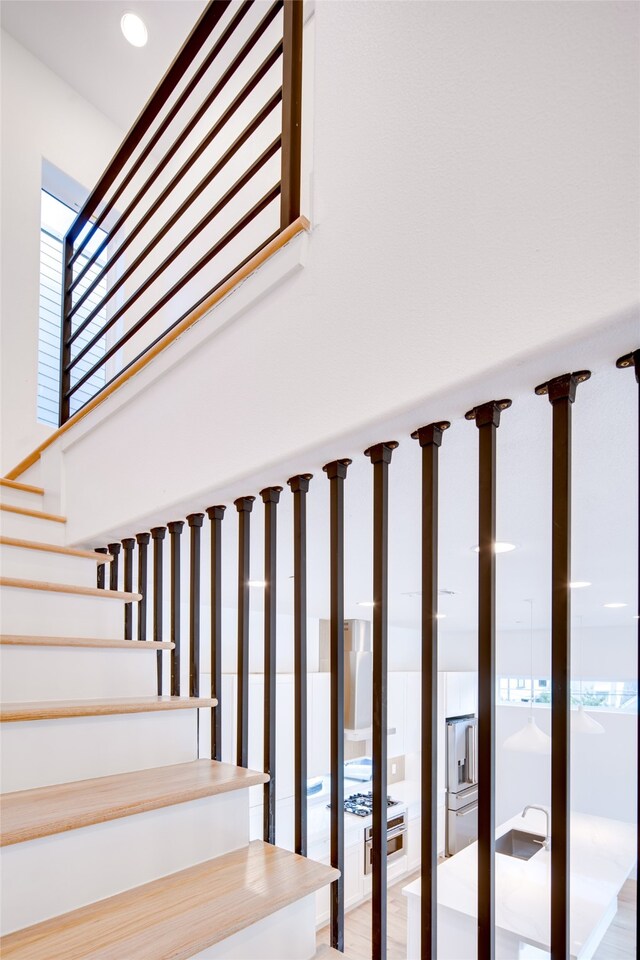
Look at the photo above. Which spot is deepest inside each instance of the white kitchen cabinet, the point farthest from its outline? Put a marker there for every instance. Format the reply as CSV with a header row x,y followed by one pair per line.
x,y
414,828
319,725
353,883
396,699
461,693
413,703
284,729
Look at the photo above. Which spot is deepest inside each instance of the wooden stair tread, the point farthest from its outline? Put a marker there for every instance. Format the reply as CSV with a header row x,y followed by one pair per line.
x,y
28,512
53,548
19,640
177,916
325,952
28,814
58,709
16,485
69,588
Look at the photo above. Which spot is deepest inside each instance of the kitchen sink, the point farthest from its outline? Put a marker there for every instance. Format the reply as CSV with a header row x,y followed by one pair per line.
x,y
518,843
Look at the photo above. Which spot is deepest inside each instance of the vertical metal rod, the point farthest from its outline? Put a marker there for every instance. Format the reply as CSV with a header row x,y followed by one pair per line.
x,y
244,506
430,439
158,534
114,550
487,418
336,471
216,516
299,487
65,332
271,498
633,360
128,544
562,393
143,542
175,530
195,521
101,581
380,456
291,112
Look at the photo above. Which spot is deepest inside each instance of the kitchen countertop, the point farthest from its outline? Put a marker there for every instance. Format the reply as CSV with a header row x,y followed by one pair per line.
x,y
603,853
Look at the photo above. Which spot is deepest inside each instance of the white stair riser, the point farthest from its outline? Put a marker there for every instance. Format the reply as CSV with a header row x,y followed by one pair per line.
x,y
72,673
50,876
287,934
31,528
43,565
41,752
21,498
48,614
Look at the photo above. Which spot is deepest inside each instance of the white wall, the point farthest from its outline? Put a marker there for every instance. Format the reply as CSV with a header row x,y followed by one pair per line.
x,y
459,651
474,197
603,767
42,118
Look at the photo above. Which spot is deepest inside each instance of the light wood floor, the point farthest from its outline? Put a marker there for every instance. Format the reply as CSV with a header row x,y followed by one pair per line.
x,y
617,944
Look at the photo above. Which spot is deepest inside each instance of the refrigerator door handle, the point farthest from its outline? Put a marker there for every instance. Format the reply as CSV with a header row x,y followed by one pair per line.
x,y
471,753
467,810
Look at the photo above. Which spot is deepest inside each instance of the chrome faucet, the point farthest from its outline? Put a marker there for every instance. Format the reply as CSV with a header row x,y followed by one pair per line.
x,y
547,840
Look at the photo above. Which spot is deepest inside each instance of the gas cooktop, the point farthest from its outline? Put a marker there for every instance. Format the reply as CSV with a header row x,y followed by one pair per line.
x,y
361,804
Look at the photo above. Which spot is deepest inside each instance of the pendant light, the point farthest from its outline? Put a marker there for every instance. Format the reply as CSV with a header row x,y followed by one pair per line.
x,y
581,721
530,739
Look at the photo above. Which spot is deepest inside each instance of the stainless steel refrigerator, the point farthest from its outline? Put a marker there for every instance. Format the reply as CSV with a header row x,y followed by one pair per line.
x,y
462,782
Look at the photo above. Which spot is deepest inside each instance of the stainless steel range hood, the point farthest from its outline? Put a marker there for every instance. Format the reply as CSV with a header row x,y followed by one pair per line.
x,y
358,676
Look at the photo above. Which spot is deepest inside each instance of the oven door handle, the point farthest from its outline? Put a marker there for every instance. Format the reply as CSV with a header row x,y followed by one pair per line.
x,y
392,834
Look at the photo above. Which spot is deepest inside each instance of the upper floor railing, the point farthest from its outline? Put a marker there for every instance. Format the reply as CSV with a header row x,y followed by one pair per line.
x,y
206,177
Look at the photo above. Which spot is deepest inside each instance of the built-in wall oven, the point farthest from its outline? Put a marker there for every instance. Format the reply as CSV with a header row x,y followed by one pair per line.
x,y
462,782
396,841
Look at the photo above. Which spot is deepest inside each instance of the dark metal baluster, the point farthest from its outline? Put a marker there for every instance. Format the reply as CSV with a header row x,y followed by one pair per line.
x,y
101,581
487,418
633,360
336,471
66,326
195,521
175,530
158,534
291,112
430,438
271,498
143,542
128,544
216,515
244,506
114,550
380,456
561,392
299,487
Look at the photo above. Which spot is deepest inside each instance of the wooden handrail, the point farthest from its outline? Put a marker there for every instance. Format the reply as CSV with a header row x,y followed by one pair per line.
x,y
298,226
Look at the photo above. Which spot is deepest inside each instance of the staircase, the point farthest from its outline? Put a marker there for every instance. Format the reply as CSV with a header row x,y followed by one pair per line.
x,y
119,843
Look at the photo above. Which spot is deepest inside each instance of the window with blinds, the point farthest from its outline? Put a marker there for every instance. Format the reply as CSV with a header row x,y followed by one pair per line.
x,y
56,219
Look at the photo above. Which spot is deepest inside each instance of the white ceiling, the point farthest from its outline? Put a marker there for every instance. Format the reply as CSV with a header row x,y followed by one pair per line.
x,y
81,41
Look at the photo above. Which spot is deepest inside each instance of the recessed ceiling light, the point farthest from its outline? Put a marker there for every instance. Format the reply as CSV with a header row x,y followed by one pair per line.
x,y
257,583
366,603
134,29
614,606
500,546
578,584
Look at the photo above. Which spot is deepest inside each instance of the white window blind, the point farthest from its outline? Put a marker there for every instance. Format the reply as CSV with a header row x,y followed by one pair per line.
x,y
55,221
